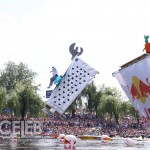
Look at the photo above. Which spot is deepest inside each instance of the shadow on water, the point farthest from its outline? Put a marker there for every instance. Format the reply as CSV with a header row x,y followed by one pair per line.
x,y
52,144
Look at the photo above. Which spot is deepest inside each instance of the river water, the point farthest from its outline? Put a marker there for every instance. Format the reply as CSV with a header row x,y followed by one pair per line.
x,y
52,144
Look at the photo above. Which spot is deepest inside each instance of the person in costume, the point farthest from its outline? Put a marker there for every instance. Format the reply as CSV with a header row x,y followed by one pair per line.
x,y
147,44
54,76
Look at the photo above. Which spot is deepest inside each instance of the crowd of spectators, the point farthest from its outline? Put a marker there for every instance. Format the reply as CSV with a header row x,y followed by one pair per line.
x,y
87,124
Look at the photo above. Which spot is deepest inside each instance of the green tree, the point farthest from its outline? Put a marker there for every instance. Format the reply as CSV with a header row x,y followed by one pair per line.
x,y
93,97
30,102
110,104
89,93
13,103
22,93
133,112
124,108
15,73
3,95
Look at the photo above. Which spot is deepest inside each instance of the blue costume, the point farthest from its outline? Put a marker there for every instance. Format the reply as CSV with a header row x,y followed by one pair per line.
x,y
52,79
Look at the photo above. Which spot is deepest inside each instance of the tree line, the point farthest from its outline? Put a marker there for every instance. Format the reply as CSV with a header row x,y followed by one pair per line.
x,y
19,96
105,103
18,91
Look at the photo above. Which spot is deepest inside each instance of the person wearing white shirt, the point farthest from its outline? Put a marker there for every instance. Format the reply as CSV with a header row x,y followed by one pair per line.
x,y
55,74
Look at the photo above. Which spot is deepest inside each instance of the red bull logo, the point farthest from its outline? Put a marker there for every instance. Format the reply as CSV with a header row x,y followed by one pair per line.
x,y
67,141
139,89
67,144
106,138
70,142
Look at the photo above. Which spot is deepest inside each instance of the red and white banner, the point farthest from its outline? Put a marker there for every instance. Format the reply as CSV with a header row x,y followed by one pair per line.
x,y
135,81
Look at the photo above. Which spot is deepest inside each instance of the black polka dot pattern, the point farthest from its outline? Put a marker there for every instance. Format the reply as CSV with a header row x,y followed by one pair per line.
x,y
78,75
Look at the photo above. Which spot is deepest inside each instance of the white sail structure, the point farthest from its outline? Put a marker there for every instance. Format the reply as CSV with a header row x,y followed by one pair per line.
x,y
134,78
76,78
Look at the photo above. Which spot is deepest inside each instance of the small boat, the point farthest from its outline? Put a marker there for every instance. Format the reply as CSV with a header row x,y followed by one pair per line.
x,y
141,139
89,137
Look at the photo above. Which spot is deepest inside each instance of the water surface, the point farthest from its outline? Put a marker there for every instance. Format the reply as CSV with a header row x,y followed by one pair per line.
x,y
52,144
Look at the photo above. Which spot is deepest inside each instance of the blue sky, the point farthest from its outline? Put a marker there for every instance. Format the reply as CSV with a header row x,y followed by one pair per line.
x,y
39,33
